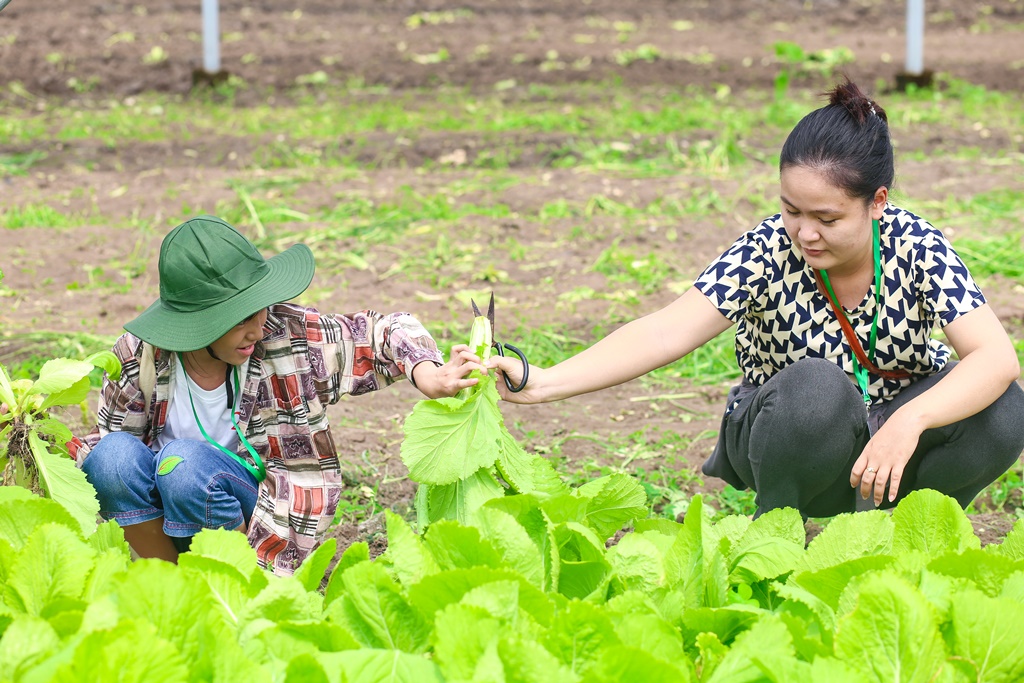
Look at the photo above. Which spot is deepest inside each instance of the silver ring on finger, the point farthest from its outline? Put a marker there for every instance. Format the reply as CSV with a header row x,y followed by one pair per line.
x,y
870,470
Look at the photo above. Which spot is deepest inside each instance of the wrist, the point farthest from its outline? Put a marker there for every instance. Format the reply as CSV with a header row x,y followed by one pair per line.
x,y
428,369
909,419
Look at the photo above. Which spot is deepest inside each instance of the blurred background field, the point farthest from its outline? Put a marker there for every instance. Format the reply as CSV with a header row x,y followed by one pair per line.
x,y
582,160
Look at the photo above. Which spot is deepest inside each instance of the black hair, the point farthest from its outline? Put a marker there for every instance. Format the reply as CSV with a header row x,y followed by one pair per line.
x,y
847,140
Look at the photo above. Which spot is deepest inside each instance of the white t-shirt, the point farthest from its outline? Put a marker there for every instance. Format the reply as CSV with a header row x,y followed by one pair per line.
x,y
211,408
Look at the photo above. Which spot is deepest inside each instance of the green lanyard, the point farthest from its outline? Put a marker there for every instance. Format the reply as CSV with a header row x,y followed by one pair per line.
x,y
860,373
259,472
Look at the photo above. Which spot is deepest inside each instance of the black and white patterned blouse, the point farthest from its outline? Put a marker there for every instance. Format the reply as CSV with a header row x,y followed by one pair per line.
x,y
763,284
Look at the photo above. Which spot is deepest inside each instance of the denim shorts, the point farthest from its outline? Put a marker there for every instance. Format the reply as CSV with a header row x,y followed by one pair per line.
x,y
200,488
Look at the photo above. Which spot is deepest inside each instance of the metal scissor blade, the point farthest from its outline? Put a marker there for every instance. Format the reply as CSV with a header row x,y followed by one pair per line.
x,y
476,311
490,312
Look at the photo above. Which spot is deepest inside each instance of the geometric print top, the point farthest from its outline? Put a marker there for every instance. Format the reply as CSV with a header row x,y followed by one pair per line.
x,y
764,285
306,361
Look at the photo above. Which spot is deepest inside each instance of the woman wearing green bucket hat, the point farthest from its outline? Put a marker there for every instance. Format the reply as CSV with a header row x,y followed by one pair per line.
x,y
219,417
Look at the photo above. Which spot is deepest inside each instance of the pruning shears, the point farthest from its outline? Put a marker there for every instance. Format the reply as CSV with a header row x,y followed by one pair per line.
x,y
500,348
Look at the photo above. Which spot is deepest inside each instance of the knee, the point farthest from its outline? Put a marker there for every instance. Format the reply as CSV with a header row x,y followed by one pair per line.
x,y
1003,424
183,466
108,463
817,393
112,454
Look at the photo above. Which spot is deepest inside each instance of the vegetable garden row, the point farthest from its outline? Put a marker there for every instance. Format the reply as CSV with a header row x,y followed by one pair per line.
x,y
513,578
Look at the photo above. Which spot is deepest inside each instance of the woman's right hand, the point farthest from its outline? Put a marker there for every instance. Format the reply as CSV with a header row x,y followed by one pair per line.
x,y
512,367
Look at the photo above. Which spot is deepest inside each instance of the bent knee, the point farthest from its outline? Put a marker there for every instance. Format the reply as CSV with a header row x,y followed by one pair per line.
x,y
113,453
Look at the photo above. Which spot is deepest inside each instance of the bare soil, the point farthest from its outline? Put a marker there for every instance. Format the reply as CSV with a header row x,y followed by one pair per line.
x,y
91,51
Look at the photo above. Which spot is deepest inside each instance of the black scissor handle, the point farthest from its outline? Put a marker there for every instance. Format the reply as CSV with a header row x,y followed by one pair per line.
x,y
526,366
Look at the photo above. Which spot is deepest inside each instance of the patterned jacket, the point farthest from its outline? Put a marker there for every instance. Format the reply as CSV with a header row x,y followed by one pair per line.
x,y
305,361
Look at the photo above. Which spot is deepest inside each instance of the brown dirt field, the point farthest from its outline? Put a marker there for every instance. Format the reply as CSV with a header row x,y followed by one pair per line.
x,y
87,51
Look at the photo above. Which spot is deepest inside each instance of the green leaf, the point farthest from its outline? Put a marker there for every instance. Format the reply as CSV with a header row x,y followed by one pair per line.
x,y
712,652
65,483
454,546
55,430
356,553
52,567
108,362
583,569
227,546
449,439
163,593
527,512
767,639
437,591
579,634
305,669
988,571
25,643
684,561
131,651
513,543
931,522
527,473
847,537
60,374
229,588
638,563
524,659
1013,587
829,583
725,622
7,390
981,636
462,635
408,556
375,611
613,501
283,600
76,393
310,637
314,568
22,512
382,666
627,663
892,634
461,499
1013,545
652,634
168,464
760,555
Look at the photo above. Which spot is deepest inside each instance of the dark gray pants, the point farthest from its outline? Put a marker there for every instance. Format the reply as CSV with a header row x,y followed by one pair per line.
x,y
794,441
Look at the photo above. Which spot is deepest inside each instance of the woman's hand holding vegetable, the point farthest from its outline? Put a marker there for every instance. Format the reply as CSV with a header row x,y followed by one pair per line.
x,y
436,381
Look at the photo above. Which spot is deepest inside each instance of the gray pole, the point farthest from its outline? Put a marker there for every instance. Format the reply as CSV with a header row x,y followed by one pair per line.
x,y
211,37
3,3
915,37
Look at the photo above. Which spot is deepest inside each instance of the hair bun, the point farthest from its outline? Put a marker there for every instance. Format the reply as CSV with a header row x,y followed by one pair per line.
x,y
851,98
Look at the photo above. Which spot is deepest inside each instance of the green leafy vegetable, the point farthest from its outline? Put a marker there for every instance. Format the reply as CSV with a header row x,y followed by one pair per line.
x,y
33,445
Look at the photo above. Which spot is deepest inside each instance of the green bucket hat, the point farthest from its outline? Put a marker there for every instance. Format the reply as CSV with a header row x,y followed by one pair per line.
x,y
211,279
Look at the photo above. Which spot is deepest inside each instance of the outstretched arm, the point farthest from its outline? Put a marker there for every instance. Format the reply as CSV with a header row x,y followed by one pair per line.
x,y
633,350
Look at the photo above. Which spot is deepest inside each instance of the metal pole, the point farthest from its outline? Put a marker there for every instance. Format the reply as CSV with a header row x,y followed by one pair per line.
x,y
915,37
211,37
3,3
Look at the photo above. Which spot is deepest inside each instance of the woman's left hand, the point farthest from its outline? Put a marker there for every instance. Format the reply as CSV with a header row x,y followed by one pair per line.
x,y
883,460
448,379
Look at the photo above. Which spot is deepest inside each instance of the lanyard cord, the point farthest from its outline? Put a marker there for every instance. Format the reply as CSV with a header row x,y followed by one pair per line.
x,y
860,373
260,471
